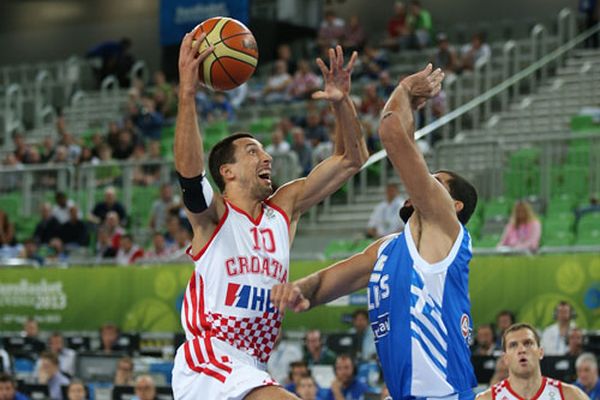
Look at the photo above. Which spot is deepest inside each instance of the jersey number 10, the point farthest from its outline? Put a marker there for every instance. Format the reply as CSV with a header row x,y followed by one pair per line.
x,y
263,239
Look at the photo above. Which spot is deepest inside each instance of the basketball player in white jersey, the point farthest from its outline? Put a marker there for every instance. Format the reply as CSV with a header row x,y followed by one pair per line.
x,y
242,238
522,354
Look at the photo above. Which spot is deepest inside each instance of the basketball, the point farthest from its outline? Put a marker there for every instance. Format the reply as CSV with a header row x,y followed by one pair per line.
x,y
235,54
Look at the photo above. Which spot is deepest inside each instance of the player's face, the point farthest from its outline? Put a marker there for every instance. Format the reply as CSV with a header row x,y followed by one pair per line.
x,y
522,353
253,167
407,208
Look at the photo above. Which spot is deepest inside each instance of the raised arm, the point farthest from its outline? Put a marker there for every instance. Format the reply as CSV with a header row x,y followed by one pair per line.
x,y
396,131
350,151
328,284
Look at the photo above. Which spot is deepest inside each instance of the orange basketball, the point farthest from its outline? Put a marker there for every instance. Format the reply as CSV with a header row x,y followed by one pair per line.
x,y
235,56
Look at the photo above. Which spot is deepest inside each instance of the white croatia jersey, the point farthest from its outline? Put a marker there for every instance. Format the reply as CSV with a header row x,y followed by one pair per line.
x,y
550,389
228,296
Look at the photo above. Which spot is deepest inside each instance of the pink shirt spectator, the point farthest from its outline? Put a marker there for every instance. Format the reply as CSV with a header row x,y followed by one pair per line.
x,y
524,237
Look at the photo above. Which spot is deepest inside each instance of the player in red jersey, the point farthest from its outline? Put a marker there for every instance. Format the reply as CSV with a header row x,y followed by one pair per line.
x,y
522,354
242,237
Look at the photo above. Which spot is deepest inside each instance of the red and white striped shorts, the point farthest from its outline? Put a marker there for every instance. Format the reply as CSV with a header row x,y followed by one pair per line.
x,y
208,368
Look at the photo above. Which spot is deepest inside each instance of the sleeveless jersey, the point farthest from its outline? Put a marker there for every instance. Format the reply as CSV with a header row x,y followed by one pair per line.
x,y
550,389
420,315
228,296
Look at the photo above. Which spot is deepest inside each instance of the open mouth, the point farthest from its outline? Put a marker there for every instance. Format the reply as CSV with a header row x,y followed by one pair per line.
x,y
265,176
523,361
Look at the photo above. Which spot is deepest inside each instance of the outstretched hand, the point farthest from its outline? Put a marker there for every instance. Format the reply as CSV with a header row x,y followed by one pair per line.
x,y
289,295
336,77
423,85
190,59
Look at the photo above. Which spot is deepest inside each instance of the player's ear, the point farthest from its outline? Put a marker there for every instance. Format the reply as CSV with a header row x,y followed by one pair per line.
x,y
541,353
226,172
458,206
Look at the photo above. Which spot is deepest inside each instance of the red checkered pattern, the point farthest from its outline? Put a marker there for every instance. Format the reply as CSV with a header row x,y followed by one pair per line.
x,y
255,336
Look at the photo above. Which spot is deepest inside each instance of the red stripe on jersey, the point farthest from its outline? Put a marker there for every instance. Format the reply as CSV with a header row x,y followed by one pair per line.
x,y
186,306
194,367
254,221
194,299
277,208
203,249
200,310
211,356
232,289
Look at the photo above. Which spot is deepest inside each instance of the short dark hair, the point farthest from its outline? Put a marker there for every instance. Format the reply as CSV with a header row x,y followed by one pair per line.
x,y
360,311
223,153
4,377
462,190
50,356
518,327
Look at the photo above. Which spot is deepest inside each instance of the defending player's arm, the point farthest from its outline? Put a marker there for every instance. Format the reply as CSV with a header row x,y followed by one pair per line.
x,y
487,395
328,284
396,132
188,149
350,151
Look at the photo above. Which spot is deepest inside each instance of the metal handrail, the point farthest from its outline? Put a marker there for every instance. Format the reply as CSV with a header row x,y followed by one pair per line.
x,y
496,90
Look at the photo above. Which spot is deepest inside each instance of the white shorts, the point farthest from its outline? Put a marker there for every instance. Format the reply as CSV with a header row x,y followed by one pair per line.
x,y
221,372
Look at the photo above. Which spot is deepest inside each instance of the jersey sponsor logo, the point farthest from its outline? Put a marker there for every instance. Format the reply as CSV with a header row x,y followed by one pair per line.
x,y
379,289
465,328
381,327
249,298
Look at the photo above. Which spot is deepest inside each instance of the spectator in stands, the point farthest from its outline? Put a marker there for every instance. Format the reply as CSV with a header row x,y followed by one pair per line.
x,y
420,25
575,343
164,95
48,226
372,62
485,344
77,390
445,56
371,104
523,230
56,254
148,119
475,51
74,232
33,156
116,59
284,53
183,240
160,250
297,371
49,374
31,331
397,29
384,218
364,334
173,226
109,338
21,148
315,131
30,252
354,35
587,375
220,108
315,350
7,231
145,388
305,82
6,360
124,372
161,207
110,203
105,242
504,319
323,150
331,32
307,388
278,145
60,211
124,146
385,86
278,84
554,337
128,252
302,150
11,181
8,388
69,143
346,385
47,149
592,207
66,357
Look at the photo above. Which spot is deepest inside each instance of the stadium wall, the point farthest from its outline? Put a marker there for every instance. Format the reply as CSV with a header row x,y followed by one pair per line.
x,y
148,298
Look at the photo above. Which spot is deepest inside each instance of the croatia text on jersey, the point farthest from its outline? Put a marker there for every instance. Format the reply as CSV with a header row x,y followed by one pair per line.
x,y
249,297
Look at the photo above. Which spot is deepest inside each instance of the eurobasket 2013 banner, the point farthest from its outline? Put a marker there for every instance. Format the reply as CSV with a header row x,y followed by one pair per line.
x,y
177,17
148,299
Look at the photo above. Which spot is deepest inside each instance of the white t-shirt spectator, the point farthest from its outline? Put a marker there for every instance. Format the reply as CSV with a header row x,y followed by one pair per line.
x,y
385,218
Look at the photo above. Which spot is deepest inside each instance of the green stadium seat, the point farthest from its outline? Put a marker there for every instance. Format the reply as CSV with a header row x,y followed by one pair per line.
x,y
338,248
11,204
581,123
571,179
524,158
562,203
25,226
498,207
588,237
555,238
262,126
487,241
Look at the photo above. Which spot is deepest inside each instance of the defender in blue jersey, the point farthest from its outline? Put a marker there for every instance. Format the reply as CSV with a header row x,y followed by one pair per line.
x,y
417,280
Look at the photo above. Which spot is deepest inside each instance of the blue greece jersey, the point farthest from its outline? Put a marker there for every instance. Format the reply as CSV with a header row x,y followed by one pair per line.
x,y
421,317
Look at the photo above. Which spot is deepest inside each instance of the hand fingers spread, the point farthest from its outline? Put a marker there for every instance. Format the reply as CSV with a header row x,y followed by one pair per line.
x,y
319,95
352,61
340,57
322,66
331,59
